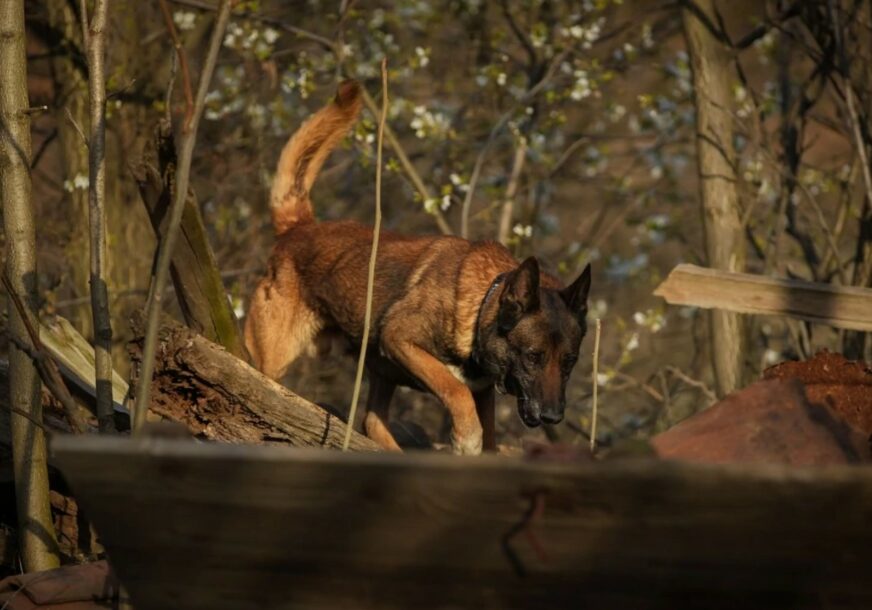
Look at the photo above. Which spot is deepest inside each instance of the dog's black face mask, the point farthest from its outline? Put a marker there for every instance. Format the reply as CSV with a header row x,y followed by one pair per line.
x,y
532,346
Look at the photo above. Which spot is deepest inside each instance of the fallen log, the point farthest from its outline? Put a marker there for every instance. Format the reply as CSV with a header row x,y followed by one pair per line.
x,y
220,397
840,306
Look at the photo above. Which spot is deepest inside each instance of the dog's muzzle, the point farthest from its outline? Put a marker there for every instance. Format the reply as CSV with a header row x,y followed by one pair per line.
x,y
530,412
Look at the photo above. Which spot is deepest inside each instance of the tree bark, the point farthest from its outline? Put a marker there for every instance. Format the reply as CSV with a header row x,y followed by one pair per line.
x,y
71,115
220,397
39,548
724,240
96,48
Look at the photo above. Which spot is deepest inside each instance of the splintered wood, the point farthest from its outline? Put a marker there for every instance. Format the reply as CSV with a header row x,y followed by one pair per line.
x,y
839,306
220,397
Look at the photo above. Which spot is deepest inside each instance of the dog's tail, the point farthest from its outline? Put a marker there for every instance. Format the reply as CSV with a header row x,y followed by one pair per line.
x,y
305,153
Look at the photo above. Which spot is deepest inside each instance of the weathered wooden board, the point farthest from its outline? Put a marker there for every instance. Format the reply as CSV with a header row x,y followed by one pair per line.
x,y
225,527
198,283
75,358
839,306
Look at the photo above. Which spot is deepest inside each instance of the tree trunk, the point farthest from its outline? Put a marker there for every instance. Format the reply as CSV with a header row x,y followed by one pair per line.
x,y
39,548
96,47
71,116
724,239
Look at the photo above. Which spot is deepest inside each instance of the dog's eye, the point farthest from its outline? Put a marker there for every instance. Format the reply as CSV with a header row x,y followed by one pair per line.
x,y
534,358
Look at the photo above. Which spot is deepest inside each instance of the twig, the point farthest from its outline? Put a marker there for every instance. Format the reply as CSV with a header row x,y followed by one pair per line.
x,y
167,245
596,344
505,225
183,63
630,381
44,363
531,93
702,387
407,166
370,281
864,258
32,420
76,126
96,41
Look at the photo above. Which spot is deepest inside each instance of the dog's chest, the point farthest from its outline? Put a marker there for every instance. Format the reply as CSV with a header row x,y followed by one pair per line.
x,y
476,383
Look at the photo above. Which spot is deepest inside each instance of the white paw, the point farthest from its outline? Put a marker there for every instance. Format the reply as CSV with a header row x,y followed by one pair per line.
x,y
470,444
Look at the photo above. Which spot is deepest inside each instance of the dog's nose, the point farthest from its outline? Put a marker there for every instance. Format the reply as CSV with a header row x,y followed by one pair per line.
x,y
552,417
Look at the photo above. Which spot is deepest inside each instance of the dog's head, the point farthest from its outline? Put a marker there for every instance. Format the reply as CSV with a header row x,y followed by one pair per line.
x,y
531,344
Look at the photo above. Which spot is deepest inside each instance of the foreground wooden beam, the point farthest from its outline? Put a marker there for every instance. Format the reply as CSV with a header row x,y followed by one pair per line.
x,y
194,526
220,397
839,306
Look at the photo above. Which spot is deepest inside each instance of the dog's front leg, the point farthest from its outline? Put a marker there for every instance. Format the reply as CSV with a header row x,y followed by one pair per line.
x,y
466,431
484,406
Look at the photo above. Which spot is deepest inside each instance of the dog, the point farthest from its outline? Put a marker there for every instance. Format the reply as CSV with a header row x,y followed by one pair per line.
x,y
449,316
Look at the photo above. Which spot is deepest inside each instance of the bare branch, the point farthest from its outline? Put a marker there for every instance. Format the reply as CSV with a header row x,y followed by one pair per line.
x,y
370,281
45,364
183,63
507,212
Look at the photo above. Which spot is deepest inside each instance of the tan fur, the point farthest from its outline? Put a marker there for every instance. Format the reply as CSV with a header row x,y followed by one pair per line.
x,y
280,326
304,155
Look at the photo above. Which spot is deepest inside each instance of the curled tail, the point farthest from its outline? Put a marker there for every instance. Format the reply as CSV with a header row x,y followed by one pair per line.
x,y
305,153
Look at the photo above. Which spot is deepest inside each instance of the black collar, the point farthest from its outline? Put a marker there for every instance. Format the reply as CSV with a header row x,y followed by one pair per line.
x,y
476,344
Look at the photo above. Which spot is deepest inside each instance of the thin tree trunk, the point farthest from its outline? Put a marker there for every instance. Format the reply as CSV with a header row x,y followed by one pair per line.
x,y
71,114
39,549
96,49
724,241
504,231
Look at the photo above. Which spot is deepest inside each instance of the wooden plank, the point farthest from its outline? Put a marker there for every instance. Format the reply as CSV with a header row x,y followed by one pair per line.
x,y
839,306
225,527
75,358
200,290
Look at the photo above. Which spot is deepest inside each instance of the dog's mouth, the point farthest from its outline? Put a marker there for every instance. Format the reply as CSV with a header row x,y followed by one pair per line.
x,y
528,413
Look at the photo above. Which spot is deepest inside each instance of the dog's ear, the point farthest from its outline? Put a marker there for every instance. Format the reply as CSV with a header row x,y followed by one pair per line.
x,y
575,295
520,294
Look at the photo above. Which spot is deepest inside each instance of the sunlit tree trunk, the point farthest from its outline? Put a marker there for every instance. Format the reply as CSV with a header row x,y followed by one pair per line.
x,y
724,240
71,116
39,549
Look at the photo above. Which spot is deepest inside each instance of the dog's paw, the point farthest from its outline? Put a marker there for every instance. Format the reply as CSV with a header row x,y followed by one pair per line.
x,y
468,444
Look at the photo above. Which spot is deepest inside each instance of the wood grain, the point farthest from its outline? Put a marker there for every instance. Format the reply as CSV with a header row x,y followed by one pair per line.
x,y
839,306
224,527
220,397
196,278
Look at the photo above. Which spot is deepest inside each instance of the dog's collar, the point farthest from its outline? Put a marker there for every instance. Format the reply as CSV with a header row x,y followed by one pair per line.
x,y
476,345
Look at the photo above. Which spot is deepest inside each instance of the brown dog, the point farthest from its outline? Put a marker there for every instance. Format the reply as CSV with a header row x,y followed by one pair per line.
x,y
452,317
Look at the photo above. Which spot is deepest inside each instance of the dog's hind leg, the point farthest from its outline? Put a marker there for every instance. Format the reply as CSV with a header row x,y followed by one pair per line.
x,y
280,325
377,407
